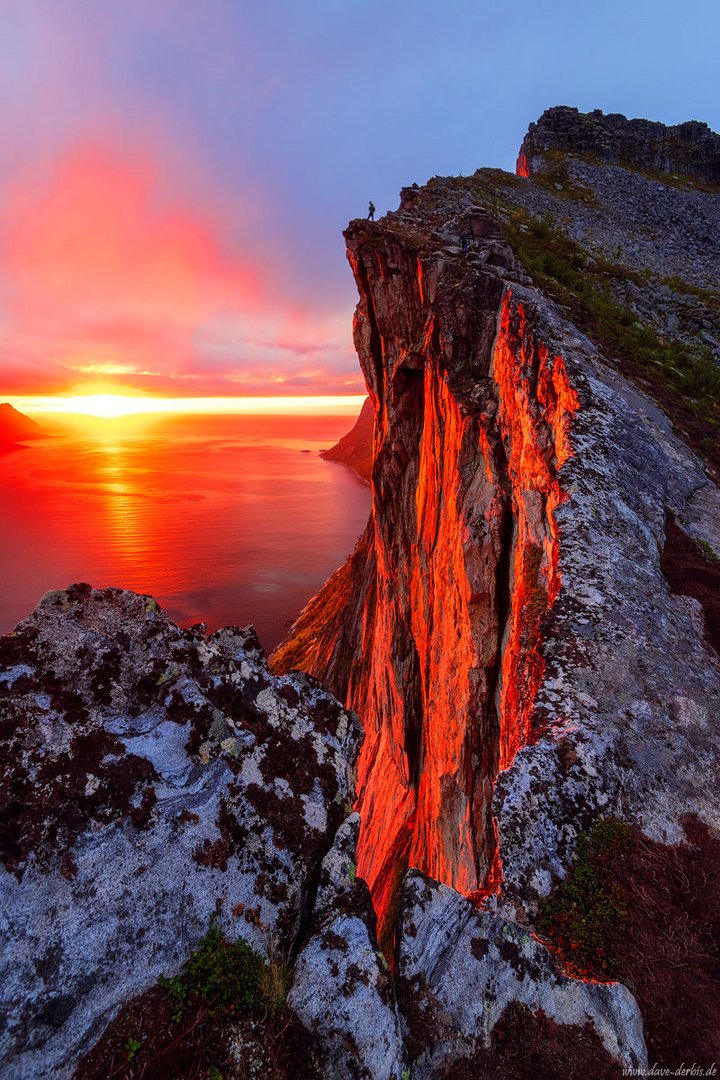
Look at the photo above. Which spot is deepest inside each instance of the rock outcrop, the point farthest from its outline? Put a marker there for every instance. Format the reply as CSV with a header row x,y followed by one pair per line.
x,y
505,627
342,989
15,427
690,149
152,779
355,448
460,969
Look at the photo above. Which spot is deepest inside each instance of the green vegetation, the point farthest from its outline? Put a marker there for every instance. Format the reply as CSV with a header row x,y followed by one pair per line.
x,y
585,915
274,981
131,1048
555,177
686,379
709,551
709,297
388,926
225,976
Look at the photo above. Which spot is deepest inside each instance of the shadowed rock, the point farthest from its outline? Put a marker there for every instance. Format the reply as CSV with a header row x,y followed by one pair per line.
x,y
343,990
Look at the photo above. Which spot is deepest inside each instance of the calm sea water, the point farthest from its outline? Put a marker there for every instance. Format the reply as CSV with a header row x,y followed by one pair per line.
x,y
224,519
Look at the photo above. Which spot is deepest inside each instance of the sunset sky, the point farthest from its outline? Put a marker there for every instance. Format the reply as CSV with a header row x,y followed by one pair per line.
x,y
175,176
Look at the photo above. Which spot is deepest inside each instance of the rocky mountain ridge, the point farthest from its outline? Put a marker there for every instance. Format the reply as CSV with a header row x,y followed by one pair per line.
x,y
505,628
15,427
691,149
355,448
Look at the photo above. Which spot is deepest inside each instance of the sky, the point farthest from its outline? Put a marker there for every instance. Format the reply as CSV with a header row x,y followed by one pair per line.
x,y
175,175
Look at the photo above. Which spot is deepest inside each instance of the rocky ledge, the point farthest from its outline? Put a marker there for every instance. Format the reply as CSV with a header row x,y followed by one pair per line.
x,y
153,778
158,782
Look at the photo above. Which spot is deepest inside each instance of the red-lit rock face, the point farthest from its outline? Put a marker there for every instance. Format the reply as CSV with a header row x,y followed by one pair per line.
x,y
459,562
536,406
521,166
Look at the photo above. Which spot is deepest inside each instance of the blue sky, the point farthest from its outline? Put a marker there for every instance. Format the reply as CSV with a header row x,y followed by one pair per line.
x,y
256,131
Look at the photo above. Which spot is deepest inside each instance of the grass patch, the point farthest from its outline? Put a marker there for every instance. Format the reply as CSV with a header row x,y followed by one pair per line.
x,y
585,915
555,178
224,1015
275,980
709,297
648,915
684,379
225,975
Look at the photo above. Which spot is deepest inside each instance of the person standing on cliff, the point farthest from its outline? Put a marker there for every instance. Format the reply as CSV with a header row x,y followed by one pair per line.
x,y
371,211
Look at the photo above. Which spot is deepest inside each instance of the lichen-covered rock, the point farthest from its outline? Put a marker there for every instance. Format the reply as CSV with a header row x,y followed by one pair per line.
x,y
342,989
459,969
151,779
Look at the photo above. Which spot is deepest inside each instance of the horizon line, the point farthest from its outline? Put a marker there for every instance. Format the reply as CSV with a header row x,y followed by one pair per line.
x,y
110,406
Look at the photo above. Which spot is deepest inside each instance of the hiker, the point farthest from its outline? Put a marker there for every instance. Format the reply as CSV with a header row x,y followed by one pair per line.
x,y
371,211
464,242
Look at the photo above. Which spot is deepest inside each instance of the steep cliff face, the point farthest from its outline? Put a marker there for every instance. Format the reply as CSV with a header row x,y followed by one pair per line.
x,y
473,419
504,628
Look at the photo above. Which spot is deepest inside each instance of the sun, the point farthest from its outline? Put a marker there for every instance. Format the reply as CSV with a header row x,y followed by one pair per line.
x,y
109,406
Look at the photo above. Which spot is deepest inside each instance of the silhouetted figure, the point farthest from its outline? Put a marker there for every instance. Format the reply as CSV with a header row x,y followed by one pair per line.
x,y
464,242
371,211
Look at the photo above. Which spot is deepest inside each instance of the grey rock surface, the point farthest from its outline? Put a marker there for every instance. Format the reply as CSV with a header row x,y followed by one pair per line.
x,y
460,968
690,149
153,778
631,691
342,989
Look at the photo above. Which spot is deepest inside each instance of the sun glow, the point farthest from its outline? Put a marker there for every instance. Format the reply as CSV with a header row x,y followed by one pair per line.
x,y
111,406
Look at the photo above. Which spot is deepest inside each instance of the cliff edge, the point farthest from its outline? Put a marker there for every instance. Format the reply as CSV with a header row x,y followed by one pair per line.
x,y
542,355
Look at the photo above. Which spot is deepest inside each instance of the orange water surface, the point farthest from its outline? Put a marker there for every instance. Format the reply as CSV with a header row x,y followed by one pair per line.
x,y
224,519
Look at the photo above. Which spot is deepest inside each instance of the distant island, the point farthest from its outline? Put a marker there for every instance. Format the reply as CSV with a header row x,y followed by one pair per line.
x,y
16,428
355,448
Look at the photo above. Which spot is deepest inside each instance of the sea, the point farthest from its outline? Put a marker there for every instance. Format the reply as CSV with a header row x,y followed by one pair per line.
x,y
226,520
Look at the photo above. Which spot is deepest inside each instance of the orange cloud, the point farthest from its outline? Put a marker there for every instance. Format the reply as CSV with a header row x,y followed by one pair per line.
x,y
100,279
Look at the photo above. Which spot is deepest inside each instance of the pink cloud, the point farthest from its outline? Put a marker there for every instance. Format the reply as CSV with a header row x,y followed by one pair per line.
x,y
103,280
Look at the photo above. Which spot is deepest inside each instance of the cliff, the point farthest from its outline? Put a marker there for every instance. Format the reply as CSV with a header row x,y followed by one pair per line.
x,y
542,356
355,448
